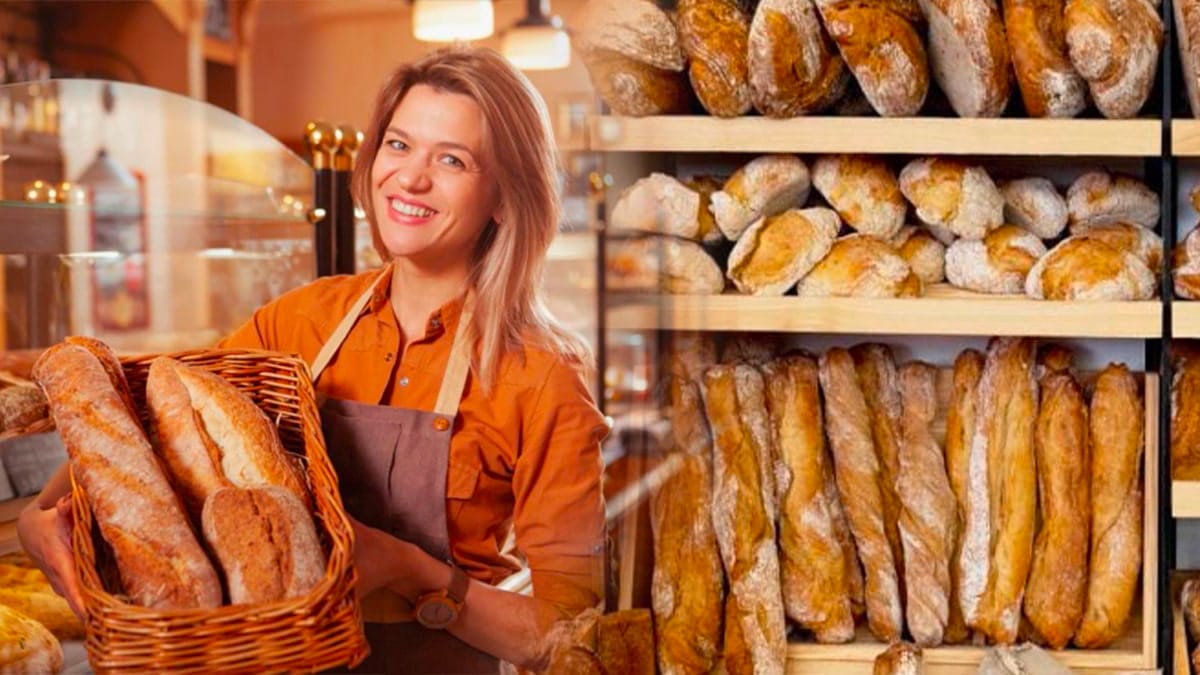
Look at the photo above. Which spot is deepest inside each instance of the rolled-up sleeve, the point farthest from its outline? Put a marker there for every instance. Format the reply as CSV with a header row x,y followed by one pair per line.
x,y
558,509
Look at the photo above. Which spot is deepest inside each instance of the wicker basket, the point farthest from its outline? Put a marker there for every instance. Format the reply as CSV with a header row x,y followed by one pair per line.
x,y
320,630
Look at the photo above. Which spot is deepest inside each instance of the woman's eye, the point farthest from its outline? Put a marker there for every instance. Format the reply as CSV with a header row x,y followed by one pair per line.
x,y
397,145
451,160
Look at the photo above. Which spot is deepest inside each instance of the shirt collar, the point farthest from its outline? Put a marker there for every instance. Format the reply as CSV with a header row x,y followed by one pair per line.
x,y
441,320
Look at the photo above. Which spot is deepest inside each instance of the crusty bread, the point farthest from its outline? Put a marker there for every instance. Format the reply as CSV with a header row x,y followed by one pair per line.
x,y
1084,268
998,264
881,45
1185,420
966,467
900,658
861,266
1142,243
764,186
1037,42
968,55
1187,32
658,204
265,541
1189,602
715,35
27,590
794,65
863,190
1100,198
755,349
1185,266
1114,45
21,406
661,264
159,560
777,251
1034,204
689,354
633,88
26,646
705,186
949,194
925,255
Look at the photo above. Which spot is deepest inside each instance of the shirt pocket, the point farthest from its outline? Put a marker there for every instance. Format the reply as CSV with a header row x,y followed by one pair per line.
x,y
462,480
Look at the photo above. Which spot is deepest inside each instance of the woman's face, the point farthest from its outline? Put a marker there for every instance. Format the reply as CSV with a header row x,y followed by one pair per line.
x,y
433,194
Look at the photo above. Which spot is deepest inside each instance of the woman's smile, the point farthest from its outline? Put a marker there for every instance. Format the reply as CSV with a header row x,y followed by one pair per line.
x,y
410,212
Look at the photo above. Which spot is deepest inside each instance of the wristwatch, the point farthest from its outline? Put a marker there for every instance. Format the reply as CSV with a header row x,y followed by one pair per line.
x,y
438,609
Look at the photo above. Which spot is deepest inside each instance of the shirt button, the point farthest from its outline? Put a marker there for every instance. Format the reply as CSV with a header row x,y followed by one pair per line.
x,y
404,382
435,322
441,423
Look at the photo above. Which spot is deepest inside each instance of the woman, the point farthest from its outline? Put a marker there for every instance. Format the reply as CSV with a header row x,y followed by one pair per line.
x,y
454,406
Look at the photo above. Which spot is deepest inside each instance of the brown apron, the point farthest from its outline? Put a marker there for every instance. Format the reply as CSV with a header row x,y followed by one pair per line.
x,y
391,465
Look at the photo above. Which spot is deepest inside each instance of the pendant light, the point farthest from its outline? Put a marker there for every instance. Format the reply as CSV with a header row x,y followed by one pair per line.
x,y
452,20
538,42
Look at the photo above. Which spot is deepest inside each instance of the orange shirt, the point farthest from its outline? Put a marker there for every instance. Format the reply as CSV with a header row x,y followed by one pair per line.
x,y
526,457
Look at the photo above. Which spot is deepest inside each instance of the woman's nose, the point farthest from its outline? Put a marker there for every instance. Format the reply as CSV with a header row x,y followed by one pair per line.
x,y
413,176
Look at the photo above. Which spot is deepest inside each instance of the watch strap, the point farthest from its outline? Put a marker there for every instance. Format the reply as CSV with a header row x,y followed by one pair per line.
x,y
459,583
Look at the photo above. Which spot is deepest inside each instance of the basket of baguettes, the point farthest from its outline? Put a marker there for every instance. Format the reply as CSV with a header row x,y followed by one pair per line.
x,y
209,533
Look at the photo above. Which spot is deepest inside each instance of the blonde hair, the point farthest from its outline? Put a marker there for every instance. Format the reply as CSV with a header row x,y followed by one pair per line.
x,y
510,255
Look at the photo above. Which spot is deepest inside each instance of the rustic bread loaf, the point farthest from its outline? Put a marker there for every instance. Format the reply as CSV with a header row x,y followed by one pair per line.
x,y
1187,32
21,406
1101,198
777,251
1034,204
705,186
864,191
794,65
861,266
900,658
966,467
1142,243
764,186
998,264
658,204
1185,266
968,55
661,264
1114,45
1084,268
925,255
952,195
26,646
1037,42
635,89
715,35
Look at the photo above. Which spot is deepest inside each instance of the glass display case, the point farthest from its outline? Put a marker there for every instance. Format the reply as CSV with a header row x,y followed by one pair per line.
x,y
148,219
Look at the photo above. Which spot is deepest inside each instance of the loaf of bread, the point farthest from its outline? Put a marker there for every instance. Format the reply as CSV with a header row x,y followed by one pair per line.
x,y
755,349
763,187
929,512
816,591
265,541
794,65
998,264
1054,358
1114,45
685,413
662,264
863,267
968,480
26,646
715,35
1101,198
687,587
1189,602
658,204
633,56
1142,243
160,563
27,590
1187,32
925,255
1185,420
21,406
1034,204
755,639
709,233
1037,41
1057,584
1116,422
1005,415
1084,268
968,55
900,658
859,482
625,642
777,251
864,191
951,195
880,43
1185,266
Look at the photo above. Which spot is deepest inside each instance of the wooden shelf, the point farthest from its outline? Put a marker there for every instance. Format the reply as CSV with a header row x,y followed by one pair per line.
x,y
1185,319
576,246
1185,138
1185,498
943,311
912,135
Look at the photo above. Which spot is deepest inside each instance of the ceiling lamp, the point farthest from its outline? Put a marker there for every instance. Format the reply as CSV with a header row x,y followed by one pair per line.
x,y
452,20
538,42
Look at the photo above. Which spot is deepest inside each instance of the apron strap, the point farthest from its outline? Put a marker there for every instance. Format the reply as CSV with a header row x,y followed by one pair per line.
x,y
339,334
458,365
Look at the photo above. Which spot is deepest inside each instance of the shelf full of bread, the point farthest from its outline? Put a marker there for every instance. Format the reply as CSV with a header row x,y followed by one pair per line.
x,y
825,505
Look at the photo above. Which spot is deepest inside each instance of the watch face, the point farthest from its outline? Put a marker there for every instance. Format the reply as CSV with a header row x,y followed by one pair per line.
x,y
437,613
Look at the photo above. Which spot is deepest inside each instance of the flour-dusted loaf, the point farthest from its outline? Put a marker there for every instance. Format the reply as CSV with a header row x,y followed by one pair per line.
x,y
880,43
864,267
968,55
755,349
764,186
1187,32
705,186
1117,438
1185,420
794,66
1057,584
26,646
1086,268
816,588
1114,45
858,475
160,563
1101,198
1034,204
998,264
715,35
1037,42
901,658
1144,244
864,191
630,87
1185,266
658,204
777,251
925,255
954,196
662,264
966,467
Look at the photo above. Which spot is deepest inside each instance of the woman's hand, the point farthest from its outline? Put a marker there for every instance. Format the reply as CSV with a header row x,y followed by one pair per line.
x,y
45,535
385,561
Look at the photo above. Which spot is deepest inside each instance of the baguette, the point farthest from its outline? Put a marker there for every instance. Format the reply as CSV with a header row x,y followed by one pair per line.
x,y
859,483
816,591
968,479
1117,439
1057,582
1185,421
159,561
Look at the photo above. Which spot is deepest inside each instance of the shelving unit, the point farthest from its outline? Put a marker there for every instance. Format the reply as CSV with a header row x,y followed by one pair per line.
x,y
1185,319
1185,138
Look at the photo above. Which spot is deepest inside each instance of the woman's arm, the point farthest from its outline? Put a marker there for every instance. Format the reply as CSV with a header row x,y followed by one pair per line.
x,y
44,530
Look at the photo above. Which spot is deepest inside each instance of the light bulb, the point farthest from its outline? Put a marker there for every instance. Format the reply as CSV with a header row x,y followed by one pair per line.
x,y
452,20
537,47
